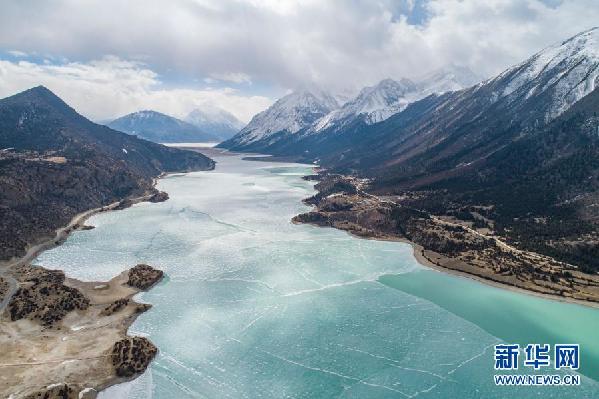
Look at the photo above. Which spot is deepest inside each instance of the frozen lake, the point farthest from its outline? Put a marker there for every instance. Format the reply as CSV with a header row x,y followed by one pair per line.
x,y
256,307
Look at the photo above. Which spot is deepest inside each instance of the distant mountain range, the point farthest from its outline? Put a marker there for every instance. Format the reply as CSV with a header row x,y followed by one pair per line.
x,y
208,124
54,163
215,121
308,112
288,116
522,146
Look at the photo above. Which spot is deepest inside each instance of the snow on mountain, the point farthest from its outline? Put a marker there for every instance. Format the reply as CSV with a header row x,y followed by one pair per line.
x,y
566,71
449,78
311,110
161,128
289,114
377,103
215,121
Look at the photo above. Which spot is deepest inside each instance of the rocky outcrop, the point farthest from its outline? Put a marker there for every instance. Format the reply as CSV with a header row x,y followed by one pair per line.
x,y
144,276
132,355
63,391
115,306
56,391
467,246
160,196
66,338
4,287
43,296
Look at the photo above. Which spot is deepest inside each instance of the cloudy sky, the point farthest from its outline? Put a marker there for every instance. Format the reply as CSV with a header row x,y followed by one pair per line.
x,y
108,58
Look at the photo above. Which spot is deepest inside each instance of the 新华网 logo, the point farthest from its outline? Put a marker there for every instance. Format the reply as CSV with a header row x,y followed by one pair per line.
x,y
537,356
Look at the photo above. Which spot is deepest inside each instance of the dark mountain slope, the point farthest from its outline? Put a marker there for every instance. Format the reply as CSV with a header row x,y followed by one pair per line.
x,y
54,163
543,188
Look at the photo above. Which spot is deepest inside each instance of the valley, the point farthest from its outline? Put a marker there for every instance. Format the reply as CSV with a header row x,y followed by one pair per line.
x,y
372,235
514,156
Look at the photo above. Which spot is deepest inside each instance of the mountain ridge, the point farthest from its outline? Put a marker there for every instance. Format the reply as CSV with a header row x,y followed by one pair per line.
x,y
216,121
161,128
373,104
55,163
287,116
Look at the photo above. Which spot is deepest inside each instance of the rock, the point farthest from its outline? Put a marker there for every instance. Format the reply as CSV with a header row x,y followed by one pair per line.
x,y
312,177
4,286
55,391
132,355
144,276
142,307
115,306
88,393
123,204
44,297
160,196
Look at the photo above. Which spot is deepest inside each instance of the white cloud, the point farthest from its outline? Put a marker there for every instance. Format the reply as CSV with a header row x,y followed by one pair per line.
x,y
234,77
282,44
109,87
17,53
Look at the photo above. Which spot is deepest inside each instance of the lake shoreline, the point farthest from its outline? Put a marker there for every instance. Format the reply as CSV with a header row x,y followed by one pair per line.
x,y
244,283
82,326
335,213
26,333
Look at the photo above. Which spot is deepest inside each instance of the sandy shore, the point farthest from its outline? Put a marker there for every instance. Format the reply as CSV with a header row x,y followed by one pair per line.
x,y
419,254
45,354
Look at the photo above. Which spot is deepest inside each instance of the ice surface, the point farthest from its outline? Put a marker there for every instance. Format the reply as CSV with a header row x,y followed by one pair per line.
x,y
254,306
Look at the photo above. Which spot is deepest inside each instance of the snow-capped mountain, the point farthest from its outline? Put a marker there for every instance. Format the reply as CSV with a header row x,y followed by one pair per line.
x,y
564,73
525,96
161,128
289,115
463,129
312,111
215,121
376,103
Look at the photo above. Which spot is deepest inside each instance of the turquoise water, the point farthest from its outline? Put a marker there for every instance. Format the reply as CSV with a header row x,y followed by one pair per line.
x,y
256,307
514,318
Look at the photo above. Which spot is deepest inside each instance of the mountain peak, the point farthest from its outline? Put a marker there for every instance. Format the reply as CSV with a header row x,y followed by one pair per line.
x,y
376,103
148,113
39,95
215,120
449,78
292,113
156,126
382,100
592,33
40,89
310,96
